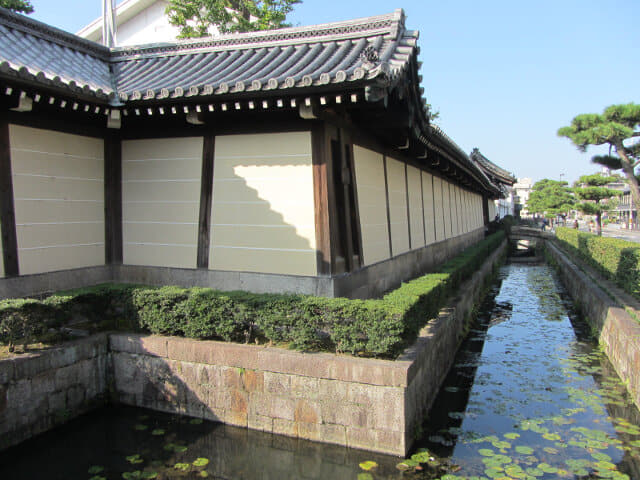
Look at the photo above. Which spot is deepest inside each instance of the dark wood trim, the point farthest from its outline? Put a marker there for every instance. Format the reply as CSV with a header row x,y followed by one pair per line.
x,y
348,146
424,223
7,207
406,193
113,198
345,180
323,198
485,209
386,191
206,198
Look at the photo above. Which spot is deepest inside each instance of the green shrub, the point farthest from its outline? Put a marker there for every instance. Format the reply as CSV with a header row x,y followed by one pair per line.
x,y
380,327
617,260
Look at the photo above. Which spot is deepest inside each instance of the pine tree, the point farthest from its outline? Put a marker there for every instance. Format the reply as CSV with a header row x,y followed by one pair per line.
x,y
550,197
592,189
618,124
23,6
195,17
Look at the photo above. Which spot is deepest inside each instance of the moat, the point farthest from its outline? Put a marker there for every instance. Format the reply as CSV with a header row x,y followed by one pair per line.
x,y
530,397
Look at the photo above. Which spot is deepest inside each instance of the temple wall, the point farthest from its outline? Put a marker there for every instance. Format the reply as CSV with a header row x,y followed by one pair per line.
x,y
369,173
58,186
416,219
428,207
397,190
161,201
263,217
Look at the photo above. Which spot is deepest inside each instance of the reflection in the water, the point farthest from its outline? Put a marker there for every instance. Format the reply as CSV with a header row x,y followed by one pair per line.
x,y
537,399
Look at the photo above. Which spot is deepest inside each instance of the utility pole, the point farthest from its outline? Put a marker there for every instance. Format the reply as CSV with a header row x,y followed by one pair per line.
x,y
108,23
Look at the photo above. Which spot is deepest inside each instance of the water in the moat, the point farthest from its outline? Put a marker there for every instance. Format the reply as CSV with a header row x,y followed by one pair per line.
x,y
530,396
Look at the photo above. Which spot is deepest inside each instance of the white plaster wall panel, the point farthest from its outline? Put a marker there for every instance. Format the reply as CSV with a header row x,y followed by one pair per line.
x,y
161,201
58,185
399,221
428,207
455,211
467,211
416,216
437,197
446,208
263,217
372,204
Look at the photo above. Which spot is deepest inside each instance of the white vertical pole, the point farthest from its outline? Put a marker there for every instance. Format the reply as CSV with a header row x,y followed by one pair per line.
x,y
108,23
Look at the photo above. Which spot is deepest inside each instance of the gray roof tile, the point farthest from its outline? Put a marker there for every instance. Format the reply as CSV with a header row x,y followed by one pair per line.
x,y
302,57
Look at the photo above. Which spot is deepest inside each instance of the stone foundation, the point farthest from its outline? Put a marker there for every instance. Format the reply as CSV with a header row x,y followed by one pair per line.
x,y
41,390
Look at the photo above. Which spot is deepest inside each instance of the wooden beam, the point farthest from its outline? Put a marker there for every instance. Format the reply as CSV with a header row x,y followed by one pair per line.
x,y
113,198
7,209
348,146
323,198
206,199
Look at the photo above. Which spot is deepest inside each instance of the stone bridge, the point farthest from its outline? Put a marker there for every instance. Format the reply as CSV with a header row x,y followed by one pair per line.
x,y
524,240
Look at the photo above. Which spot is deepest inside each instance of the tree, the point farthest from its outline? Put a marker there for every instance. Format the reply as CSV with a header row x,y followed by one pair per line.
x,y
194,17
550,197
592,190
23,6
617,125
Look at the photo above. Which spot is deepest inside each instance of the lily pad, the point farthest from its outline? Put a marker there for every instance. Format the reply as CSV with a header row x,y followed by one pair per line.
x,y
134,459
512,436
524,450
201,462
158,432
196,421
486,452
140,427
368,465
95,469
184,467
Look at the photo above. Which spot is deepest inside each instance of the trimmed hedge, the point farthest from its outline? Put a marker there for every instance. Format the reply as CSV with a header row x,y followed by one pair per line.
x,y
618,260
379,327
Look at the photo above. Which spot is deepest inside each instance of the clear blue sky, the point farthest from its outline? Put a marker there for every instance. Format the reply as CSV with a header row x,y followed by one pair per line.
x,y
504,75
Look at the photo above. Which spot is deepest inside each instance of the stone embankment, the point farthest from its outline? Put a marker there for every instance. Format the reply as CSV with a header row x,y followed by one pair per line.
x,y
609,312
362,403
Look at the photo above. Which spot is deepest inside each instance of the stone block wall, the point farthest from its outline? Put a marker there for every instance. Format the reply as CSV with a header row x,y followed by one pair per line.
x,y
317,396
618,331
45,389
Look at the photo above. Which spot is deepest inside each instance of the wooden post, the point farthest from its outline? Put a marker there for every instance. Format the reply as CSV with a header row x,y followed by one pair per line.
x,y
7,209
113,198
323,198
206,199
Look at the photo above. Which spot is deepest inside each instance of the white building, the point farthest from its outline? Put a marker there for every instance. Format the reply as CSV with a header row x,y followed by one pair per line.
x,y
137,22
521,192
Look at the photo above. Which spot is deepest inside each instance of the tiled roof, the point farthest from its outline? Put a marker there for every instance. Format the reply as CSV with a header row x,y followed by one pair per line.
x,y
492,170
373,50
34,52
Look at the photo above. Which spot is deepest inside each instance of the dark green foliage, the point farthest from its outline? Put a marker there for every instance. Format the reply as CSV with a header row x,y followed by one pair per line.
x,y
23,6
194,17
615,259
550,197
380,327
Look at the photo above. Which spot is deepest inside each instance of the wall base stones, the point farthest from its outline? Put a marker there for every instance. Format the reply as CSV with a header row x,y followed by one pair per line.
x,y
618,331
362,403
41,390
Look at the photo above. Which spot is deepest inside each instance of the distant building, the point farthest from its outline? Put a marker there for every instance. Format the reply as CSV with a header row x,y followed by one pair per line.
x,y
521,191
137,22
